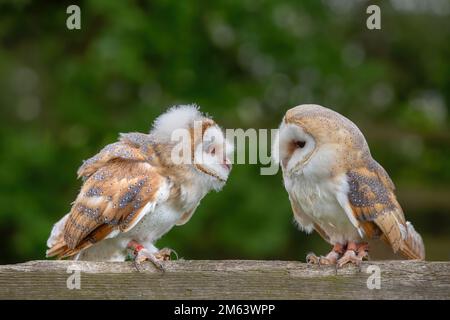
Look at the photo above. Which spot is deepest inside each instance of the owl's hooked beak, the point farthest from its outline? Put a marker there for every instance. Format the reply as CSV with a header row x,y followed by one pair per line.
x,y
284,162
226,164
220,170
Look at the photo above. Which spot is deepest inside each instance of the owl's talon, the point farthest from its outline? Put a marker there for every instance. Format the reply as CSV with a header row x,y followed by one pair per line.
x,y
145,255
326,261
355,255
311,258
141,254
348,257
329,259
137,266
175,253
165,254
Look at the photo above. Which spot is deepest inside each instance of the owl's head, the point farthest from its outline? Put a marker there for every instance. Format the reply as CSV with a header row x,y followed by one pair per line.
x,y
194,141
312,134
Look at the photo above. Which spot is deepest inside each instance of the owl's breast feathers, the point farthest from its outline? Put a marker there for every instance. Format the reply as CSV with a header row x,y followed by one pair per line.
x,y
376,209
120,186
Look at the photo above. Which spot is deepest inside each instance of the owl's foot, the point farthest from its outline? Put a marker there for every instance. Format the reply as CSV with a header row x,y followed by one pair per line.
x,y
165,254
311,258
355,254
330,259
142,254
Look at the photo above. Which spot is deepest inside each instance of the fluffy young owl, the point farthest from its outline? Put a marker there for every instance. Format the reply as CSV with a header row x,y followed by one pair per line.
x,y
135,190
337,189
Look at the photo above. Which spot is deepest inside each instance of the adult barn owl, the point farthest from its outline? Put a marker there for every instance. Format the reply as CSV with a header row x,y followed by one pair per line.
x,y
337,189
134,192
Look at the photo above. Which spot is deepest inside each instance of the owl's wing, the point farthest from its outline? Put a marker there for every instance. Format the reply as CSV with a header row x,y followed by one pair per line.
x,y
304,222
114,197
131,146
372,207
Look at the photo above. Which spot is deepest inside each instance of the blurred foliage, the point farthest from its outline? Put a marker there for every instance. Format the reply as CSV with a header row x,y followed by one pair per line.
x,y
65,94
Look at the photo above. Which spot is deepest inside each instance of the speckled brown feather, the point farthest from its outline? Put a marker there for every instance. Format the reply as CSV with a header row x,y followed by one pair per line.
x,y
119,182
373,202
95,236
123,150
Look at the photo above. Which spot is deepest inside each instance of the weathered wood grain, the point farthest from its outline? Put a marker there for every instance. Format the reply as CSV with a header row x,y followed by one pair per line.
x,y
229,279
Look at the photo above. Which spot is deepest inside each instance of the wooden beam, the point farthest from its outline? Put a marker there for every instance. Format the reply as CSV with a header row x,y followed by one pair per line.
x,y
229,279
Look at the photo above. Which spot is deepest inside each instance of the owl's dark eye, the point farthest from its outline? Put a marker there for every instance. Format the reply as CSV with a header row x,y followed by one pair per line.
x,y
300,144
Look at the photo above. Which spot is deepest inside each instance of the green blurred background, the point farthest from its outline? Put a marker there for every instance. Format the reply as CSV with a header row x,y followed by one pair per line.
x,y
65,94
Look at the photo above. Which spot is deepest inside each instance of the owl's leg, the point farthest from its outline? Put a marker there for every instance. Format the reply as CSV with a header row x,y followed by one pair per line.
x,y
355,254
330,259
142,254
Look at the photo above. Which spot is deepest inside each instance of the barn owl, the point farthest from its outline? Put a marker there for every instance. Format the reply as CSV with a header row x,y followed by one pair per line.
x,y
337,189
134,191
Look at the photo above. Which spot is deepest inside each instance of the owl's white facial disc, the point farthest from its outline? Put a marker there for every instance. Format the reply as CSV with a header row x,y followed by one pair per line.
x,y
295,147
212,156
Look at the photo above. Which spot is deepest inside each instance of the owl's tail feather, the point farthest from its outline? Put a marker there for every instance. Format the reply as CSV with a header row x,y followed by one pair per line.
x,y
412,246
61,251
56,250
56,244
401,235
